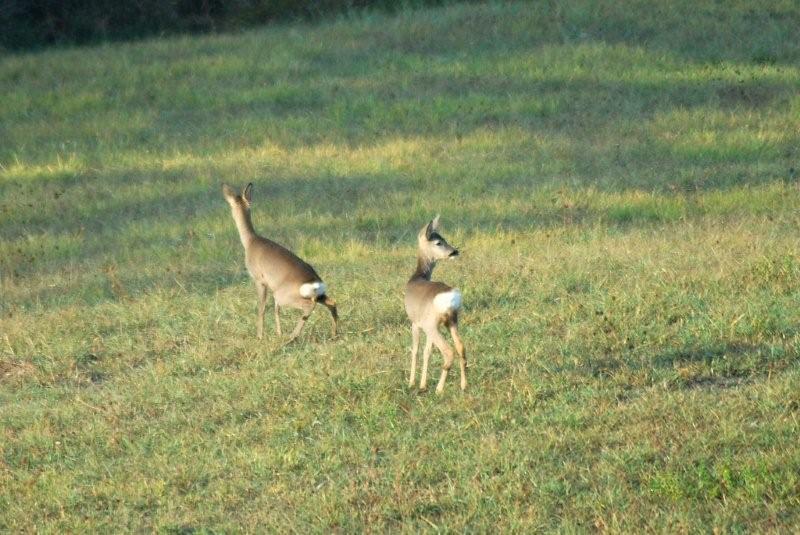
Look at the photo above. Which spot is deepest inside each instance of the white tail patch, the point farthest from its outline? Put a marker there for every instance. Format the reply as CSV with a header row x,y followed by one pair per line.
x,y
447,301
310,290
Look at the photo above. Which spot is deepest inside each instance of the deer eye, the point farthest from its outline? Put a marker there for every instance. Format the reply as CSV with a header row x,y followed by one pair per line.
x,y
438,243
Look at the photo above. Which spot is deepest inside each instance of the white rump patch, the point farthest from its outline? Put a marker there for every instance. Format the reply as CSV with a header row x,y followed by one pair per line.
x,y
310,290
447,301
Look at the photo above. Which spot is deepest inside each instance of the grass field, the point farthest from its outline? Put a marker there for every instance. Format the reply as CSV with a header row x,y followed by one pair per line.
x,y
621,179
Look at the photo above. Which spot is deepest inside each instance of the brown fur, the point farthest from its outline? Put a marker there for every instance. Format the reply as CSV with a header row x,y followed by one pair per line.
x,y
274,268
419,303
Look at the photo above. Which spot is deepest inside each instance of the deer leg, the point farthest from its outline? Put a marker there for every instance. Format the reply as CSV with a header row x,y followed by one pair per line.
x,y
461,354
331,305
414,351
426,355
262,304
445,349
307,310
277,317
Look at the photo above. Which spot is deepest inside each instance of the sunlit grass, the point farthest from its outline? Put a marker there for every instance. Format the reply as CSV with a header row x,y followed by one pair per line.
x,y
621,179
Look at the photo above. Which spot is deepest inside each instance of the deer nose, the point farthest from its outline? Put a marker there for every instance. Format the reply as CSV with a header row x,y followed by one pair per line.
x,y
454,253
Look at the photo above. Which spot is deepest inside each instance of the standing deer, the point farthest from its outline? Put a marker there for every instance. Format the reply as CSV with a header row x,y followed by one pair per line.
x,y
432,304
293,282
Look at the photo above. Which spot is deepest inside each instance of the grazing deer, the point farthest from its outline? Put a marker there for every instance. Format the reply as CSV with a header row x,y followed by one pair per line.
x,y
293,283
432,304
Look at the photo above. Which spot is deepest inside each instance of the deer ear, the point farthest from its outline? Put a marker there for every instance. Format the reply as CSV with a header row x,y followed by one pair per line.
x,y
227,191
247,193
432,227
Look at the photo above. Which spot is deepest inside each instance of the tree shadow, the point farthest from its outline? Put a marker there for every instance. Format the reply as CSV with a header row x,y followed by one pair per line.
x,y
385,104
441,79
720,365
418,76
124,230
706,354
705,31
114,216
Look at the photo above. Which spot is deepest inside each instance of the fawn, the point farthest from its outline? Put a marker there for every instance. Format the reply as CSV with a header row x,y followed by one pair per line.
x,y
432,304
293,282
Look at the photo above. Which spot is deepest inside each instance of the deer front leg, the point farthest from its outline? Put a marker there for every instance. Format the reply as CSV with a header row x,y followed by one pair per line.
x,y
426,355
277,317
262,304
414,351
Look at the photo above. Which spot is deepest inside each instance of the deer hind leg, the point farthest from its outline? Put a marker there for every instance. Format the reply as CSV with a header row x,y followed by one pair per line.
x,y
426,355
307,310
447,351
414,351
331,305
262,304
462,354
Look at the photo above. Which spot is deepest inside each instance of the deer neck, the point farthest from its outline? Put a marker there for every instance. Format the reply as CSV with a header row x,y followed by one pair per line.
x,y
424,268
244,225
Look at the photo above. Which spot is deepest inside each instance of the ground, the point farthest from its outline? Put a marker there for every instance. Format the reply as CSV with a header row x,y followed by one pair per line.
x,y
621,179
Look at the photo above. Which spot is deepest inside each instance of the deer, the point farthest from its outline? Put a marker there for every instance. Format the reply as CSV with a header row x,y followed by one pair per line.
x,y
276,269
430,305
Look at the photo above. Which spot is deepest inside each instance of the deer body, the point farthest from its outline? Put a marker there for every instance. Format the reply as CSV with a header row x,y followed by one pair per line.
x,y
430,305
276,269
291,280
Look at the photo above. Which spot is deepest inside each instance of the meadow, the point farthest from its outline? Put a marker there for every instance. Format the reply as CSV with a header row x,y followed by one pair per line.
x,y
620,177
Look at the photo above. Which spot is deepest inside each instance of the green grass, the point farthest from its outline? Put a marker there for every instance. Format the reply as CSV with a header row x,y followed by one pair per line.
x,y
621,178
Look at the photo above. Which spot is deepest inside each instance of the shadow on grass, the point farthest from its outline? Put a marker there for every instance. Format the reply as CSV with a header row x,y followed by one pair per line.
x,y
721,365
116,223
109,201
707,354
409,78
356,111
386,84
115,226
700,31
